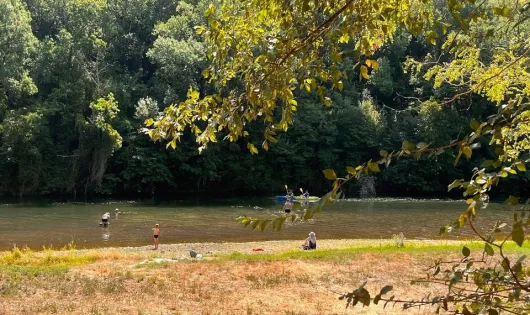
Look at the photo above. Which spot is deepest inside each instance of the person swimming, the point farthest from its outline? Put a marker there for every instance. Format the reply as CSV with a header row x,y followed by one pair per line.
x,y
105,219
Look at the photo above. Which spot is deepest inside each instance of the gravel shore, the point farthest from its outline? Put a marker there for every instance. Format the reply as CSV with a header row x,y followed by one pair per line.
x,y
216,249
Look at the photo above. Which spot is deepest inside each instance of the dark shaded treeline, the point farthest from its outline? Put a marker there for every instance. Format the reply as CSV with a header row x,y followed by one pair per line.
x,y
78,78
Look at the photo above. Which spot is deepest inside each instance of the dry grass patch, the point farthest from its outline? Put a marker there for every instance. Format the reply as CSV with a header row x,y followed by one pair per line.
x,y
287,282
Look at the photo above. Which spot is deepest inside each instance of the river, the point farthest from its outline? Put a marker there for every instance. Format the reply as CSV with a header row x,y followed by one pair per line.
x,y
214,221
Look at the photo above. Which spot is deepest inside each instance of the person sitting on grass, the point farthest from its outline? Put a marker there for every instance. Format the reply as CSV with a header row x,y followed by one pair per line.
x,y
310,242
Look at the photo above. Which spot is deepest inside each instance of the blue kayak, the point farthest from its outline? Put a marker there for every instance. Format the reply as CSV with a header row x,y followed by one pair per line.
x,y
297,198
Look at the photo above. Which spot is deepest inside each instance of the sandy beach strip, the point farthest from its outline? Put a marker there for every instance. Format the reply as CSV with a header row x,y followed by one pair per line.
x,y
270,247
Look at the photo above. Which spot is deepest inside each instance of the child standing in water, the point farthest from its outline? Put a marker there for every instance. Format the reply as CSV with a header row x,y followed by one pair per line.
x,y
156,233
288,205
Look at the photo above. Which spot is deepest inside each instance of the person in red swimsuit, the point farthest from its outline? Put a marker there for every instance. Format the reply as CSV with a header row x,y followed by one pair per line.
x,y
156,234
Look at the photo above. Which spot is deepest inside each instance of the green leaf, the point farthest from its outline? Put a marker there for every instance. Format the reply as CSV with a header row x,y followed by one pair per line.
x,y
344,39
327,101
364,72
422,145
454,184
265,145
280,222
514,201
372,64
510,170
407,146
431,37
487,163
521,167
505,264
374,167
474,124
488,249
263,225
375,65
199,29
467,152
330,174
252,148
462,219
351,170
505,12
499,151
465,251
148,122
518,234
457,158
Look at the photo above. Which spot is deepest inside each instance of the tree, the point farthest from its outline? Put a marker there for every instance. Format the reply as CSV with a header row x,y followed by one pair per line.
x,y
16,46
262,51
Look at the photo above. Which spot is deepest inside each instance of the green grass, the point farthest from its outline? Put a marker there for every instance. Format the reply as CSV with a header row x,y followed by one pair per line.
x,y
342,253
32,271
154,265
14,279
47,257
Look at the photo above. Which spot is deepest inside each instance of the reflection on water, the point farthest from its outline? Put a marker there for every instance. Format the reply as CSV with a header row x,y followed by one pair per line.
x,y
180,221
106,234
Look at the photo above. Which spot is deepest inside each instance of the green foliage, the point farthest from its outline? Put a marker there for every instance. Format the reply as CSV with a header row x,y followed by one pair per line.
x,y
16,46
264,55
61,134
103,110
275,57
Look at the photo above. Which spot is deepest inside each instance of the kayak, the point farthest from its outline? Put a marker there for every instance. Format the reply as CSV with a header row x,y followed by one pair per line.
x,y
297,198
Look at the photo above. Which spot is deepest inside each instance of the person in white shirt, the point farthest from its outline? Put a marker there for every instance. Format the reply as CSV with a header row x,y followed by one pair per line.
x,y
310,242
105,219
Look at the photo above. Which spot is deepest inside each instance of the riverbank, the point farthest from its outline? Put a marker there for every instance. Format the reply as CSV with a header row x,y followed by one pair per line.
x,y
269,247
230,279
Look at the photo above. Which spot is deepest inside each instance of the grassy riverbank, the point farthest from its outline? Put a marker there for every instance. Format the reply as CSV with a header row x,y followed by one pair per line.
x,y
231,279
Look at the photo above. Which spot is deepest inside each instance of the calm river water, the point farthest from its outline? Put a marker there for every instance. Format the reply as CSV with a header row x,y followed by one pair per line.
x,y
58,224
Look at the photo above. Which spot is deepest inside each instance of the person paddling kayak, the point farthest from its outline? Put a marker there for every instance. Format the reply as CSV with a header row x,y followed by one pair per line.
x,y
290,194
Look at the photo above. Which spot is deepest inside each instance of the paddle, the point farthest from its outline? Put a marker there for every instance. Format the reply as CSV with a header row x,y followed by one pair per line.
x,y
302,194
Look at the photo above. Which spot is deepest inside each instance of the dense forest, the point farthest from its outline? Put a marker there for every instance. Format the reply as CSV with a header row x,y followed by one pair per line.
x,y
79,77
